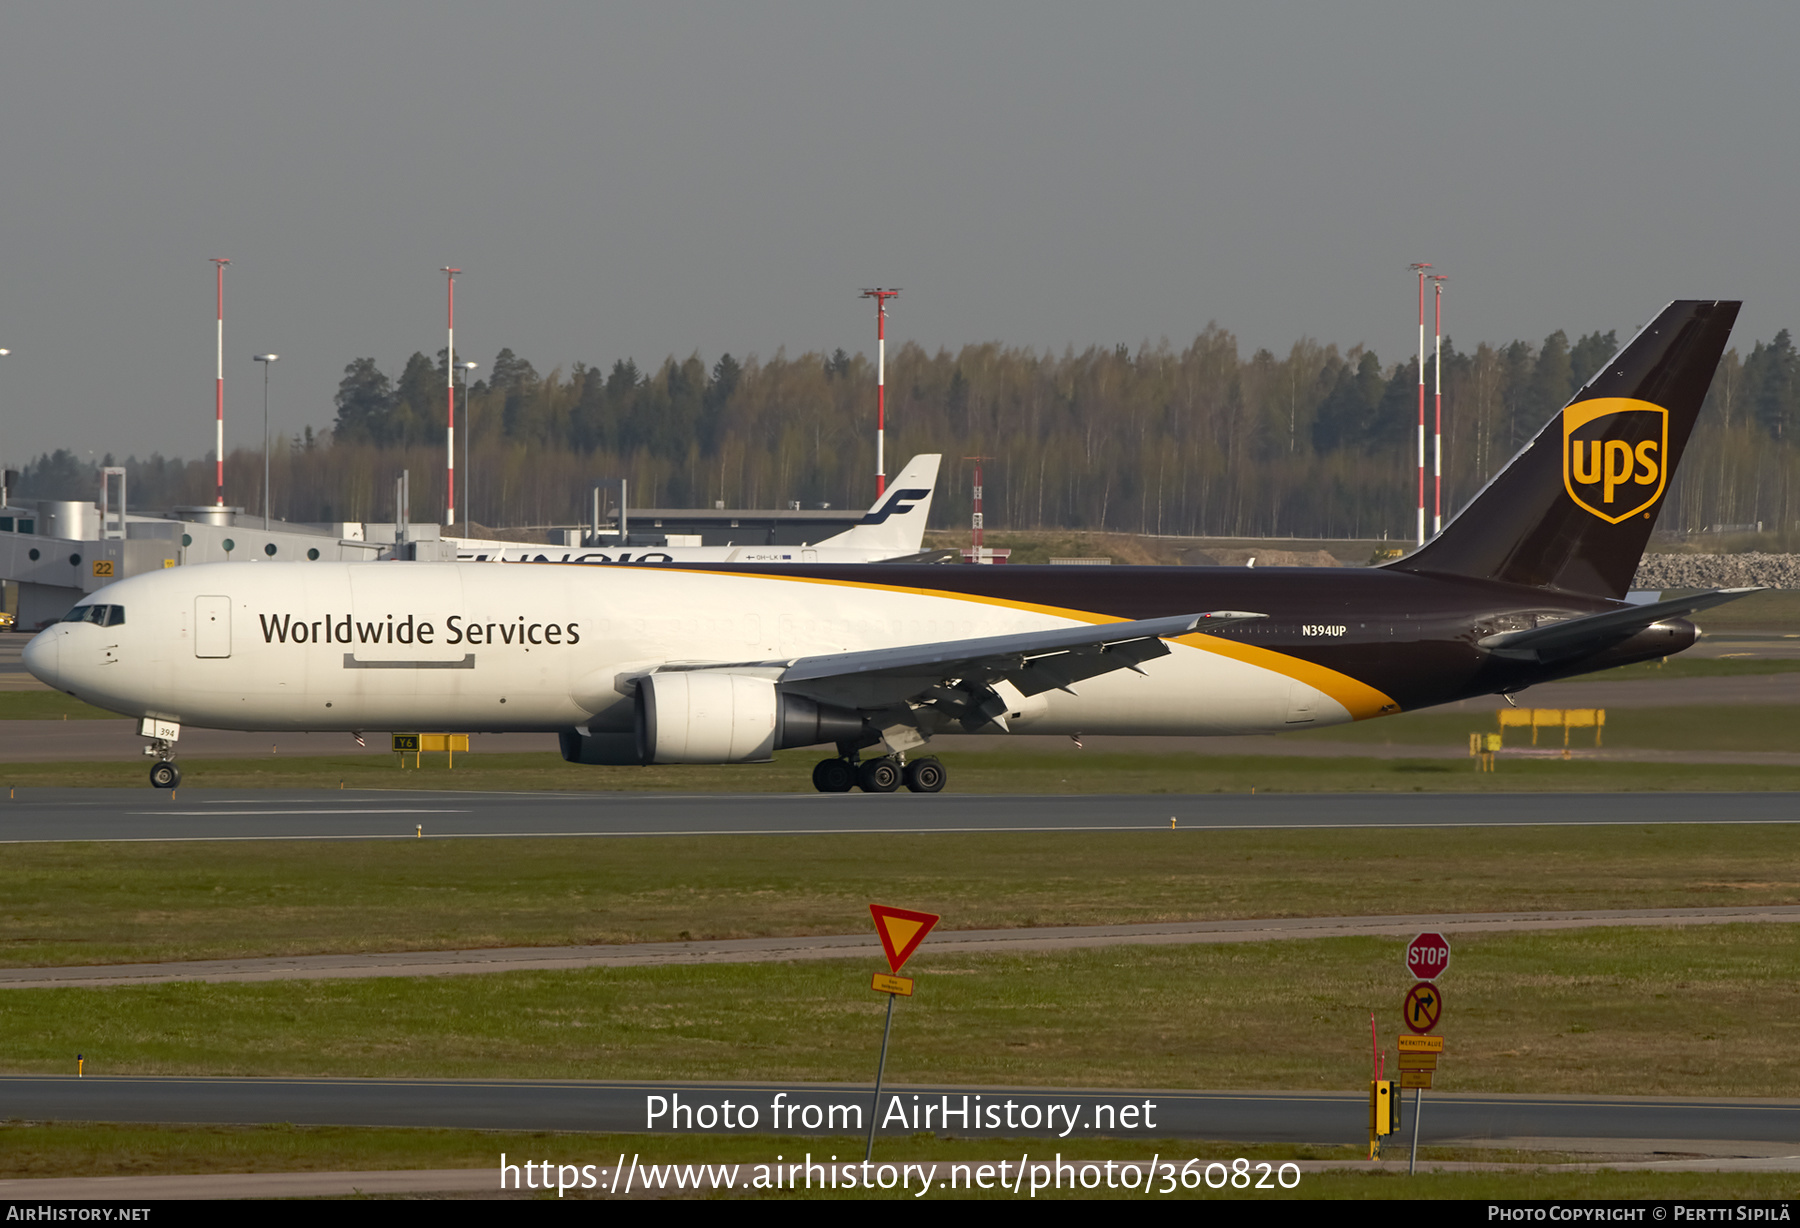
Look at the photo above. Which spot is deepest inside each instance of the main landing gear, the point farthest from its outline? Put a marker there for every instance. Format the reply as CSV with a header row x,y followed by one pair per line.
x,y
883,775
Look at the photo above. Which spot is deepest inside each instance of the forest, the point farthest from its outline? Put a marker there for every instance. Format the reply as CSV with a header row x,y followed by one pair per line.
x,y
1200,440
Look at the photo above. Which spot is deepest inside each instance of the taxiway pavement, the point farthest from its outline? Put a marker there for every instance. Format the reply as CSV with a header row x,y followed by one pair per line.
x,y
476,962
332,814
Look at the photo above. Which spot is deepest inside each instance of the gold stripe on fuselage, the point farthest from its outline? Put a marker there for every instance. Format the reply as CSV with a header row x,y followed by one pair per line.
x,y
1359,699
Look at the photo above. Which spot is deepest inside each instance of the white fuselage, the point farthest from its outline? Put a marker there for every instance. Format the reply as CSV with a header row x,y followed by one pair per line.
x,y
502,552
482,647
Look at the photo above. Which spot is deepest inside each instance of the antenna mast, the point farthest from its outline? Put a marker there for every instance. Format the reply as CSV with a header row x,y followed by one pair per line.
x,y
881,297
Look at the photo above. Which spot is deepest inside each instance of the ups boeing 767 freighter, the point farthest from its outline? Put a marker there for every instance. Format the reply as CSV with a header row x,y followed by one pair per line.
x,y
728,664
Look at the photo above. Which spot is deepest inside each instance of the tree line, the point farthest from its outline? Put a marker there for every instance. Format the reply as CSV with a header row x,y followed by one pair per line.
x,y
1200,440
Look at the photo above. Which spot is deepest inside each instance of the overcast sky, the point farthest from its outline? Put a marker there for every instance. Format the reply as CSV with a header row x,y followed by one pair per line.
x,y
634,180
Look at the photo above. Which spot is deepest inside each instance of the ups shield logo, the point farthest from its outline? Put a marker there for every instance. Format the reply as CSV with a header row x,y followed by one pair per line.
x,y
1615,455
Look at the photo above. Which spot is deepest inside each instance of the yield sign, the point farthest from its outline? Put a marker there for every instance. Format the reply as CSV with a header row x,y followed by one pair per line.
x,y
901,931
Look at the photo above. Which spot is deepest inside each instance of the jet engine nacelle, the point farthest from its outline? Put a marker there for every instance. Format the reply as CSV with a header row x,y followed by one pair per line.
x,y
708,717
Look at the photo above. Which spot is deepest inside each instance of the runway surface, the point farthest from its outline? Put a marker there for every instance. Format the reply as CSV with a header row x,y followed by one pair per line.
x,y
144,814
1648,1123
862,946
331,814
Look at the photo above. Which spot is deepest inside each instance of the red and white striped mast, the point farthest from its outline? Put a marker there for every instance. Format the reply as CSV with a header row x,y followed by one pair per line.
x,y
975,521
881,297
1437,379
1420,268
219,386
450,407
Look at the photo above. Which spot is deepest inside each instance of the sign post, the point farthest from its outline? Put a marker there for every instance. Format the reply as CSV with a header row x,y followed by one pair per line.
x,y
901,931
1426,958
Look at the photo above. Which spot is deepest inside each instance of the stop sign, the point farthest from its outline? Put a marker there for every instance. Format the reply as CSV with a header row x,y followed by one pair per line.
x,y
1427,956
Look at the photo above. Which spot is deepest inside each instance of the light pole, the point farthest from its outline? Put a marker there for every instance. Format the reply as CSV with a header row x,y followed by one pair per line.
x,y
219,384
1437,376
5,494
468,429
450,395
267,360
881,296
1419,267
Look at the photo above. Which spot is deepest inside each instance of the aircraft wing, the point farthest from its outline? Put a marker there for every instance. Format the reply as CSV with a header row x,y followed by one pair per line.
x,y
957,676
1578,635
928,556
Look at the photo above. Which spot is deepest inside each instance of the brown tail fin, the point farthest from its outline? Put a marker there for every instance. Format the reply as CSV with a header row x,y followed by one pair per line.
x,y
1573,510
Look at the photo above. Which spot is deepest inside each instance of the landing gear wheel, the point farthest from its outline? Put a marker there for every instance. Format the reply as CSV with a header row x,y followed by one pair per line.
x,y
925,776
834,776
165,775
878,776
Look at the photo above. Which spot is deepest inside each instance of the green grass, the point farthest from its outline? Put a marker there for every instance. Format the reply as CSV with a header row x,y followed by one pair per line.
x,y
1675,668
1775,611
54,1149
116,903
1680,1011
50,706
1001,772
101,1149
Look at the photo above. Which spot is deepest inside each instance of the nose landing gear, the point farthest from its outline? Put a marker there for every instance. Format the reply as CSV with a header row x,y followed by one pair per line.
x,y
163,773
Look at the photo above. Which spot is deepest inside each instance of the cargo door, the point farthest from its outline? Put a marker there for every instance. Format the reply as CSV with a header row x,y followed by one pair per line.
x,y
212,626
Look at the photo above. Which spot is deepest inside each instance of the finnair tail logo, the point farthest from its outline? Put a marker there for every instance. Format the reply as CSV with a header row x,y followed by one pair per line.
x,y
898,504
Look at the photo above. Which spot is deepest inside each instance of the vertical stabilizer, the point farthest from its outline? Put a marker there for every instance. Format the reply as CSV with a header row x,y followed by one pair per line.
x,y
1573,510
895,525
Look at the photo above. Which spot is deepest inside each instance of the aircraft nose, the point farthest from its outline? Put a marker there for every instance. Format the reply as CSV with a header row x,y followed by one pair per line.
x,y
42,656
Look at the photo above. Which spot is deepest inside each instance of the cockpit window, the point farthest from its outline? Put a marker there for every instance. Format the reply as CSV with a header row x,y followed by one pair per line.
x,y
99,615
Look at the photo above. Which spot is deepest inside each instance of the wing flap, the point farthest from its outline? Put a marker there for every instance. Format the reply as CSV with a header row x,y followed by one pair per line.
x,y
1060,671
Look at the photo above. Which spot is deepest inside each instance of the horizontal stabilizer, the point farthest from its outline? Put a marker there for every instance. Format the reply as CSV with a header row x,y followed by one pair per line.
x,y
1576,636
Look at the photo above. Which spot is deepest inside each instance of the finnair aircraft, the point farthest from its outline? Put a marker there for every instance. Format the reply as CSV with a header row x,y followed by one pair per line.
x,y
726,663
893,528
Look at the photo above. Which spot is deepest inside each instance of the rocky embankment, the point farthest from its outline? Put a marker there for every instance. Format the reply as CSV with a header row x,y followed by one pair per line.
x,y
1660,571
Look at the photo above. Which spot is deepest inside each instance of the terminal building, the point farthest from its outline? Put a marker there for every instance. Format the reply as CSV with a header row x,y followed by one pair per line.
x,y
53,552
